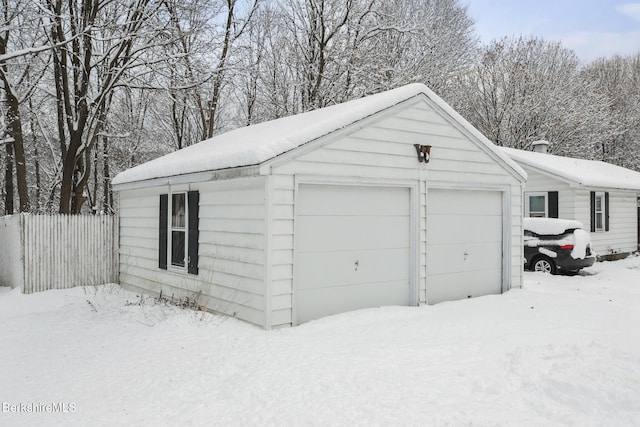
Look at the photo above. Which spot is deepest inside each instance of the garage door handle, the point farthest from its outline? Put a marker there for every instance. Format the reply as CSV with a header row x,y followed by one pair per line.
x,y
357,264
465,256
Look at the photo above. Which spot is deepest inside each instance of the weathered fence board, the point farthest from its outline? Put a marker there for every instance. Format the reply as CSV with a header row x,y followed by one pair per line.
x,y
64,251
11,262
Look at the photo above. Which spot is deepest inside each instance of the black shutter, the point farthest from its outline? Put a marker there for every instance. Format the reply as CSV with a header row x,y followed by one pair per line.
x,y
593,211
606,211
162,231
552,197
192,256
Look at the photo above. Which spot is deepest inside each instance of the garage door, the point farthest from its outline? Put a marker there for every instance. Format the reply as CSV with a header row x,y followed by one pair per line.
x,y
464,244
352,249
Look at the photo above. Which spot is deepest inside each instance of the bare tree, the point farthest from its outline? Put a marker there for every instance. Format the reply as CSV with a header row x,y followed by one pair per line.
x,y
528,89
428,41
617,80
19,74
90,38
313,53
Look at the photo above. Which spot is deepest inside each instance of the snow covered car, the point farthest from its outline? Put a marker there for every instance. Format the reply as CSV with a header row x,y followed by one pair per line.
x,y
552,245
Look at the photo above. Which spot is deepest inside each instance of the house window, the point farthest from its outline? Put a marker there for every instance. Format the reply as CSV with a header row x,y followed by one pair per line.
x,y
536,205
600,211
178,230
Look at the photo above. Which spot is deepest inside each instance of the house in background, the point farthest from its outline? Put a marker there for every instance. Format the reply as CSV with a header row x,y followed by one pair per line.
x,y
392,199
604,197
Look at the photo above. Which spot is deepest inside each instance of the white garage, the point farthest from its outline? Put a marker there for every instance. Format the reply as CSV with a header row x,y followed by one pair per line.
x,y
392,199
464,244
352,249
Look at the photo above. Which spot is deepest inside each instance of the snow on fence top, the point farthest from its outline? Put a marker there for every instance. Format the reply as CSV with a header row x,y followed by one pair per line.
x,y
253,145
587,173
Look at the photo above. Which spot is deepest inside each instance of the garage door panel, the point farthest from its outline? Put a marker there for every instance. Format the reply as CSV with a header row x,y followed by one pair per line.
x,y
451,258
325,233
339,225
451,287
319,302
463,202
472,229
464,244
329,269
343,200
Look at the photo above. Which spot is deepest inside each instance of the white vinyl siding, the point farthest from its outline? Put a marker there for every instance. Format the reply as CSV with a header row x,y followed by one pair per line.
x,y
247,247
541,183
574,203
231,247
383,152
623,226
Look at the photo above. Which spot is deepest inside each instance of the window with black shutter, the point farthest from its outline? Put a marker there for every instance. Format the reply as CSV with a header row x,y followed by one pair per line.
x,y
178,231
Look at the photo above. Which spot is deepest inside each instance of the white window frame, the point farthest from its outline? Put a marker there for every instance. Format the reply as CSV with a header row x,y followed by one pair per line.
x,y
527,199
170,265
602,211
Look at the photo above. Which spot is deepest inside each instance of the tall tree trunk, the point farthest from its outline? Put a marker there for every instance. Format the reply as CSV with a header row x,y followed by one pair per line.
x,y
15,126
36,159
96,179
8,180
217,83
14,130
107,197
69,182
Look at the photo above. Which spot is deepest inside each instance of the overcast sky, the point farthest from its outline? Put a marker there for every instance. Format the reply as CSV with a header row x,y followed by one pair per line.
x,y
592,28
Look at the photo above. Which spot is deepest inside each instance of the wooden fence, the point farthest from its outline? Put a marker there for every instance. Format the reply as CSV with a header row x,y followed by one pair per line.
x,y
63,251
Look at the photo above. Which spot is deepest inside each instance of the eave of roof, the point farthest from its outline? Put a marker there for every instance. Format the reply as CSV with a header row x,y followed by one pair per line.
x,y
578,172
248,147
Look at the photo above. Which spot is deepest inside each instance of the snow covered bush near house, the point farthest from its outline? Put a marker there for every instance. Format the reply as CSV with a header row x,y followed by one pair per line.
x,y
564,350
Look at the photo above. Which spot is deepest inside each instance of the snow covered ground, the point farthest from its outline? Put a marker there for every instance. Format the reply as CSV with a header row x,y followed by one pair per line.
x,y
562,351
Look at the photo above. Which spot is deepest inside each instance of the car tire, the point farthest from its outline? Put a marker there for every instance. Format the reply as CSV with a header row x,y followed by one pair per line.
x,y
544,264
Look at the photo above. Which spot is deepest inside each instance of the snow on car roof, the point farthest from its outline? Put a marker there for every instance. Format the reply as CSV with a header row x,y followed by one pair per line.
x,y
586,173
253,145
550,226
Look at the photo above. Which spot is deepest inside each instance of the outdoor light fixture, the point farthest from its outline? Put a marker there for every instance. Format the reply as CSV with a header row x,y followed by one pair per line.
x,y
424,152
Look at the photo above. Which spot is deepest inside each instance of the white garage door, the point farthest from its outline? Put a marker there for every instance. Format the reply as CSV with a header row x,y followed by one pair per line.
x,y
464,244
352,249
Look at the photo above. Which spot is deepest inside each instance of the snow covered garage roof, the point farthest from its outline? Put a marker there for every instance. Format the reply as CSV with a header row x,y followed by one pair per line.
x,y
584,173
256,144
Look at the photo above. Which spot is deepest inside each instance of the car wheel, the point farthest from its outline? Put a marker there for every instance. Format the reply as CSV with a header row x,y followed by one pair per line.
x,y
545,265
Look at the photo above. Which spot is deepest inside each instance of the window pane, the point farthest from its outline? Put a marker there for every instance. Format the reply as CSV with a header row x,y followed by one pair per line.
x,y
536,214
536,204
177,248
599,221
177,210
599,203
